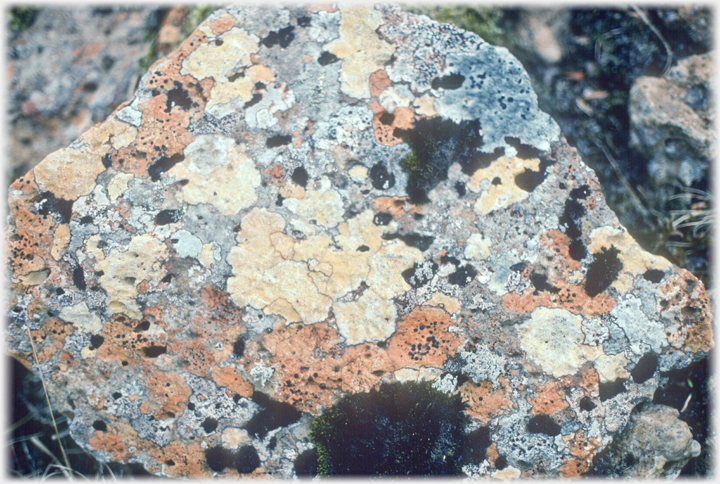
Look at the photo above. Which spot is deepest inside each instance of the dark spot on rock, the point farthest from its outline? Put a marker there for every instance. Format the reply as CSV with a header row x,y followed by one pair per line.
x,y
178,96
448,259
654,275
645,368
543,424
602,271
300,176
422,242
610,389
163,164
252,102
460,189
167,279
116,395
519,267
497,181
463,275
49,205
209,425
327,58
239,346
363,248
273,415
577,250
87,219
100,425
218,458
107,160
387,119
170,462
539,281
235,76
524,151
154,351
382,218
168,216
306,463
453,81
279,140
282,37
586,404
79,278
380,177
142,326
303,21
96,341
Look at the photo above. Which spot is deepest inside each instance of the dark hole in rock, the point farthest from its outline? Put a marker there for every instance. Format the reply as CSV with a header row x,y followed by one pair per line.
x,y
96,340
116,395
209,425
453,81
497,181
645,368
543,424
363,248
279,140
300,176
327,58
381,178
273,414
168,216
252,102
59,291
586,404
282,37
524,151
154,351
306,463
170,462
87,219
100,425
602,271
163,164
235,76
463,275
420,274
239,346
142,326
79,278
422,242
654,275
611,389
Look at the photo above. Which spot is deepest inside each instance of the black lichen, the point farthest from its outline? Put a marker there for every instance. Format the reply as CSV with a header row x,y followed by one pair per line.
x,y
282,37
273,415
645,368
610,389
168,216
178,96
209,425
279,140
327,58
654,275
79,278
96,341
59,208
381,178
247,459
453,81
539,281
154,351
400,429
543,424
163,164
422,242
602,271
300,176
463,275
586,404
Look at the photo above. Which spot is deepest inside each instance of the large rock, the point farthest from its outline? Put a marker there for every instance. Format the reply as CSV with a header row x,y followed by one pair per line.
x,y
302,203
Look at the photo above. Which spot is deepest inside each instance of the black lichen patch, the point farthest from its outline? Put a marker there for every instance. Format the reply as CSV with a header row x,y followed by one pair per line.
x,y
327,58
178,96
573,212
239,346
96,341
654,275
382,218
436,143
306,463
154,351
59,208
142,326
209,425
218,458
304,21
168,216
460,189
163,164
381,178
300,176
463,275
586,404
387,119
539,281
247,460
529,179
453,81
253,101
610,389
86,220
273,415
525,151
400,429
422,242
282,37
279,140
475,446
602,271
543,424
100,425
645,368
79,278
420,274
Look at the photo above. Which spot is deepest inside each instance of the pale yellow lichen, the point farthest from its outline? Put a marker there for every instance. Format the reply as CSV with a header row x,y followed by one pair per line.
x,y
611,367
361,48
232,437
206,257
424,105
119,185
387,265
503,194
507,474
222,57
358,173
60,241
238,90
440,300
124,270
551,338
323,205
370,318
81,317
634,259
477,247
219,173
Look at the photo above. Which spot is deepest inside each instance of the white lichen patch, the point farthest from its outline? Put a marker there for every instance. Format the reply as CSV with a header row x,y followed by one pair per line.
x,y
370,318
123,270
217,172
641,331
635,260
232,437
186,244
361,48
551,338
482,364
497,184
477,247
82,318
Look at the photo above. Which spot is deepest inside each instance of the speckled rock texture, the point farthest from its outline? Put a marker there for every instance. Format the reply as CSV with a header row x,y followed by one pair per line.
x,y
301,203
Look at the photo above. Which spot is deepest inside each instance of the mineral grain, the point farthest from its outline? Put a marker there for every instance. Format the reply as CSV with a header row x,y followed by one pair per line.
x,y
303,203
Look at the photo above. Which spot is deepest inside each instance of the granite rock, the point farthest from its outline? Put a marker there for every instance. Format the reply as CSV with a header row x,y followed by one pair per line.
x,y
301,203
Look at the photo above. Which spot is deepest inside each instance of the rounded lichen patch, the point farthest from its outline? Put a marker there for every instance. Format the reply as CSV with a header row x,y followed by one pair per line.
x,y
551,338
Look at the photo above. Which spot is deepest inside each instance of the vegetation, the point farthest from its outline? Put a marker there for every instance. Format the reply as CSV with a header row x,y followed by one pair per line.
x,y
400,429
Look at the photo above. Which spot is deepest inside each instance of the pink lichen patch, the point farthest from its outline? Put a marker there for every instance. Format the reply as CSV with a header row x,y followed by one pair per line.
x,y
50,339
484,402
226,377
548,399
422,338
582,451
384,125
222,24
168,393
179,460
558,246
117,333
570,296
379,81
109,441
194,355
685,310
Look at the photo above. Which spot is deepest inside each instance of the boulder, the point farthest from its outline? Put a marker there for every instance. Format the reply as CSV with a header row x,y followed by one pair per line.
x,y
304,203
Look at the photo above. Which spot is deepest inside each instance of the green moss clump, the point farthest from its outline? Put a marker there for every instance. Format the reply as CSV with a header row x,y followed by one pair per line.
x,y
400,429
22,18
486,22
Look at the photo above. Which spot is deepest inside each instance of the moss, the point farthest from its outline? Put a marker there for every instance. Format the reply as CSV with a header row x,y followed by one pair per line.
x,y
400,429
22,18
486,22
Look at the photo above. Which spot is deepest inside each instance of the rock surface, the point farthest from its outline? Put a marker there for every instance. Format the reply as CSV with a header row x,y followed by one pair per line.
x,y
301,203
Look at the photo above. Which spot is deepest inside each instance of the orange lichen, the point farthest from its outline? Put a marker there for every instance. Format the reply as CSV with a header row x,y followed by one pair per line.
x,y
226,377
379,81
222,24
109,441
548,399
485,403
582,451
570,296
180,460
384,125
168,393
